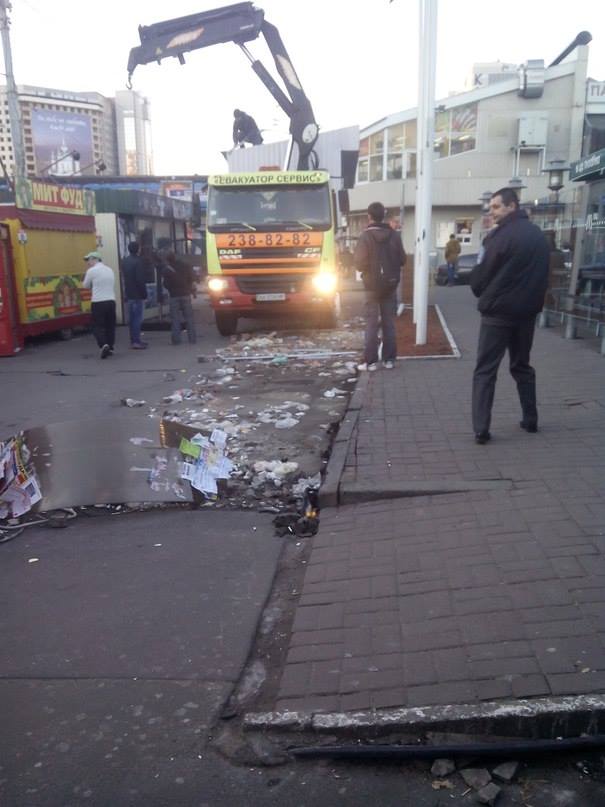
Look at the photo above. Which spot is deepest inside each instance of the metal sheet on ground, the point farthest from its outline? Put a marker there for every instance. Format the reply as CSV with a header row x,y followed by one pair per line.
x,y
105,461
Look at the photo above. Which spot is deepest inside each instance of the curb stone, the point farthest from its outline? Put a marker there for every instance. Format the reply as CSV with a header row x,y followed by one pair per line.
x,y
541,717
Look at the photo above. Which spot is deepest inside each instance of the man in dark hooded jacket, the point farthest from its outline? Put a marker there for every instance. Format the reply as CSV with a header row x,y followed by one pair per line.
x,y
245,129
380,257
510,282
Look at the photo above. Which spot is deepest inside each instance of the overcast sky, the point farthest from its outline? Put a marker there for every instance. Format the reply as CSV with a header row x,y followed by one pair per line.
x,y
357,62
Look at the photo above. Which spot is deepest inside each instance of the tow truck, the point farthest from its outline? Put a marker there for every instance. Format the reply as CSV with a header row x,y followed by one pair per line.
x,y
270,234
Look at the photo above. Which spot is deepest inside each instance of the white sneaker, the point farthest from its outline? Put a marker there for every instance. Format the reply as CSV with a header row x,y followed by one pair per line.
x,y
388,365
400,309
365,366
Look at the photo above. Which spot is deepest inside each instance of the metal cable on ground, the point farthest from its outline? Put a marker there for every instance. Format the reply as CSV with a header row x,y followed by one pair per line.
x,y
500,749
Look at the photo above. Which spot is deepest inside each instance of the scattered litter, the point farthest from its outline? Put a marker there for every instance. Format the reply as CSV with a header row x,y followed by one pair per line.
x,y
139,441
33,560
19,487
189,448
179,396
131,402
304,483
442,784
332,393
286,423
210,461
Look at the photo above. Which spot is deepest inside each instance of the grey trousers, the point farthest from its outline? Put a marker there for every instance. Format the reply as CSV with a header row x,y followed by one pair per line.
x,y
380,313
494,340
181,309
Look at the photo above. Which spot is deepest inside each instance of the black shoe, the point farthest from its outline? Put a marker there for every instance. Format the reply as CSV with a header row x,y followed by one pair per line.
x,y
530,427
481,438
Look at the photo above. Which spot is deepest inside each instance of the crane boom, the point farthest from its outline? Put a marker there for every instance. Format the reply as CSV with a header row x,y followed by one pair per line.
x,y
239,23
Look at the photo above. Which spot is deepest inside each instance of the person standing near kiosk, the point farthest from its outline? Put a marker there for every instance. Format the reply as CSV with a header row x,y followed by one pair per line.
x,y
100,279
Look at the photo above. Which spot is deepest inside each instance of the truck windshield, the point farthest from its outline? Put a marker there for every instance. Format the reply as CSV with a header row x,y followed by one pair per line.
x,y
269,208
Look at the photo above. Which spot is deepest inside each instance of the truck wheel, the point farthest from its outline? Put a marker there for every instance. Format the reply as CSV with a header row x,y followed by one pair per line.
x,y
226,323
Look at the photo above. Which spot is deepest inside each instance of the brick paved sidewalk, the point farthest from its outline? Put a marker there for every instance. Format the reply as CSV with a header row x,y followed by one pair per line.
x,y
472,596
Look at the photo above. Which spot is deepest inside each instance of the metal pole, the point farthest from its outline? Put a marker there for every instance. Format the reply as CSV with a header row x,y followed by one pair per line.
x,y
420,122
11,93
426,92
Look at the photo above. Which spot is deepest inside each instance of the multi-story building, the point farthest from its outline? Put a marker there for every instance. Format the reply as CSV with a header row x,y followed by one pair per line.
x,y
67,133
133,128
510,129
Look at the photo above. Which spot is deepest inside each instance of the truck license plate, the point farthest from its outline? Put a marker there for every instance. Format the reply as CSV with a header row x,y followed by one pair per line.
x,y
270,298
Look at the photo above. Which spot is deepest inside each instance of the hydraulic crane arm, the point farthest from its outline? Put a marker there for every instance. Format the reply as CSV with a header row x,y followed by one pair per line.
x,y
239,23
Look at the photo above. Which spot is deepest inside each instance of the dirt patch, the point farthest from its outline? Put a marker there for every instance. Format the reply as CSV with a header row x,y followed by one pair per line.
x,y
437,343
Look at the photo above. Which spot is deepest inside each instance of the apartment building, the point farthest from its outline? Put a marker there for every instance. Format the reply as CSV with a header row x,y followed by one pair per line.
x,y
78,133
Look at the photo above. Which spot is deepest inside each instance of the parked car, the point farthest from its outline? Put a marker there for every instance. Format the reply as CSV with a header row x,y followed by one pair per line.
x,y
466,264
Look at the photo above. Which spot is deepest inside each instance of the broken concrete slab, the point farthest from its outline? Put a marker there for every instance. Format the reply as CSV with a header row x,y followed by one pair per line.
x,y
443,767
505,772
476,777
488,794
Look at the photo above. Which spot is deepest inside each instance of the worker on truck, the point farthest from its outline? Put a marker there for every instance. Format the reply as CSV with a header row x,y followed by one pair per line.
x,y
245,130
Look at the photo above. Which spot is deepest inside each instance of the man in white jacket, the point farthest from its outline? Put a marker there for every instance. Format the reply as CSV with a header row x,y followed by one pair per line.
x,y
100,279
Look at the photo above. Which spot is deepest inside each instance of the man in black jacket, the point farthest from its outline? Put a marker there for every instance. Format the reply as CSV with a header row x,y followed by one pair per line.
x,y
245,129
179,282
510,282
135,291
379,256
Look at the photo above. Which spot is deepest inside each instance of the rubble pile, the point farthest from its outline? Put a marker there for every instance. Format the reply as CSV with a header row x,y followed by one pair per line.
x,y
276,398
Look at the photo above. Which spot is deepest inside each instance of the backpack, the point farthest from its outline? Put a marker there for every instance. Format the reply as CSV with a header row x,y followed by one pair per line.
x,y
385,278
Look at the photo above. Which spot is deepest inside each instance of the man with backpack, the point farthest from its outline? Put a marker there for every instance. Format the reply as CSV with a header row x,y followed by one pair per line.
x,y
379,257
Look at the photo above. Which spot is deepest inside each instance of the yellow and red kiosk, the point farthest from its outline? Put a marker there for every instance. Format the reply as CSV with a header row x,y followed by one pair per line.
x,y
44,235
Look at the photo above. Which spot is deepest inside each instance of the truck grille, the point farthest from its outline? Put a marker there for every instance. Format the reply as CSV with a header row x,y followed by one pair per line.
x,y
284,284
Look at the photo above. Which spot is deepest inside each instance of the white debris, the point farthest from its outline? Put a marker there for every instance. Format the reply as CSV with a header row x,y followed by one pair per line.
x,y
178,396
299,488
275,468
332,393
286,423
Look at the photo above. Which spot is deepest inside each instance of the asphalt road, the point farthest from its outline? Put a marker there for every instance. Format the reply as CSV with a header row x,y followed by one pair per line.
x,y
121,639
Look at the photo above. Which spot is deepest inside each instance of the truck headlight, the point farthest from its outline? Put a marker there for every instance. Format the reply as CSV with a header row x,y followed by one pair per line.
x,y
217,284
325,282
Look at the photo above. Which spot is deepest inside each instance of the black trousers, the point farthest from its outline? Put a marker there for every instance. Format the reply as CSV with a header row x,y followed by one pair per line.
x,y
104,322
494,340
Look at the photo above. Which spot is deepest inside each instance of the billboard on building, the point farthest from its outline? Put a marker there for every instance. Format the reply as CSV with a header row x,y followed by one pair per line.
x,y
56,136
177,189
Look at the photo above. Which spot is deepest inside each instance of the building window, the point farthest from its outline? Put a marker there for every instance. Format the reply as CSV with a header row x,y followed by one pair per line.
x,y
455,130
399,143
363,161
464,230
401,147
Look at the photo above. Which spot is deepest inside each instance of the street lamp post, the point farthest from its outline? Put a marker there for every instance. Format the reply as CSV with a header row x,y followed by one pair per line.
x,y
516,184
556,179
424,170
11,93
